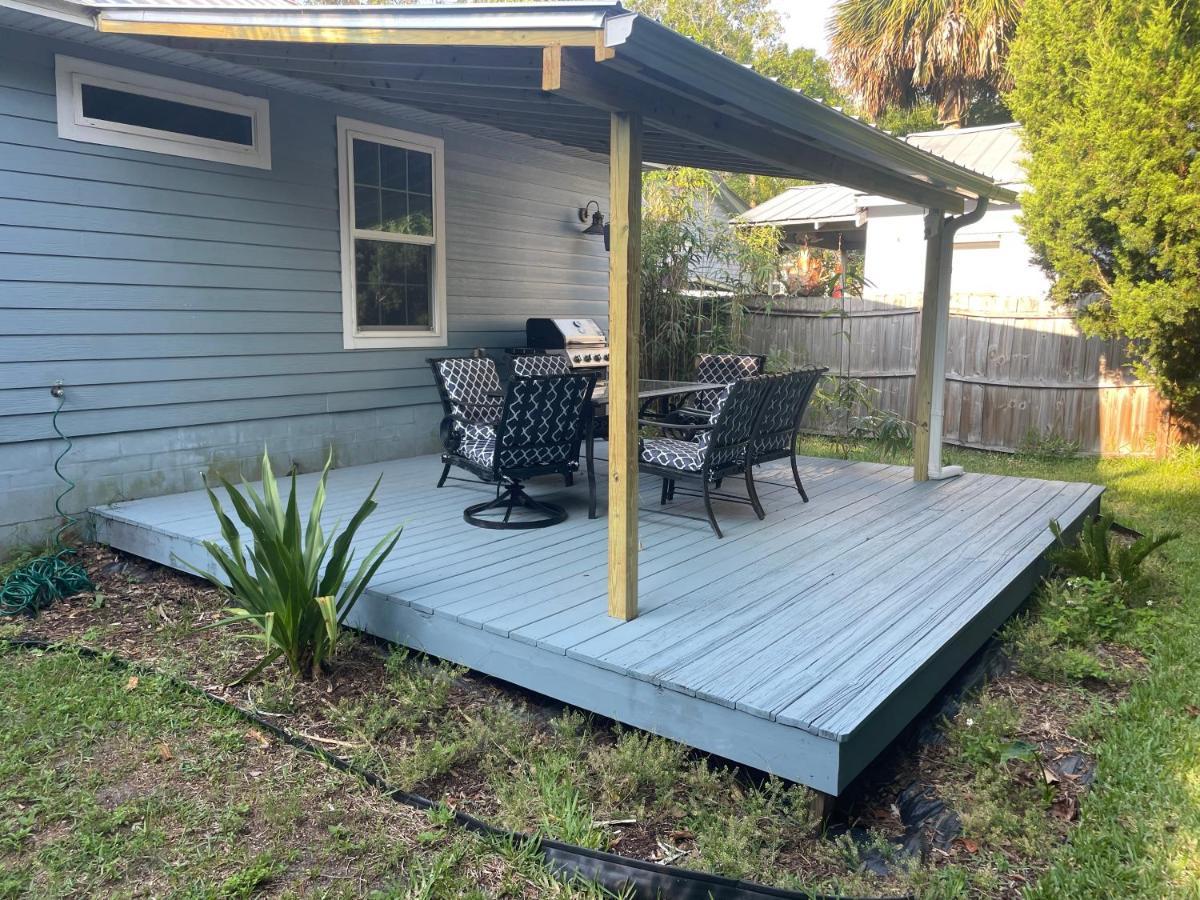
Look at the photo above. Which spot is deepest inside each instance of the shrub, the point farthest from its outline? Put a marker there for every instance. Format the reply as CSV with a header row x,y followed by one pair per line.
x,y
280,587
1098,555
1109,96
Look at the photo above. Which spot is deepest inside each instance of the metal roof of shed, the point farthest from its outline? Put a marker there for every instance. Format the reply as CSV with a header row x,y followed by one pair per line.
x,y
810,204
490,64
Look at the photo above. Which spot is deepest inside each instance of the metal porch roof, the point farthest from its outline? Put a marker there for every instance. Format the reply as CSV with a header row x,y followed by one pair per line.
x,y
491,64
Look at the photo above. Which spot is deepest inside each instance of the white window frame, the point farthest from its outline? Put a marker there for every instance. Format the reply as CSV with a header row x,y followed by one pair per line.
x,y
436,335
71,74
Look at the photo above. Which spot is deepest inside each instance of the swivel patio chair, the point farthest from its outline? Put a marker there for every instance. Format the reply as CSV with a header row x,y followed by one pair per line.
x,y
718,452
539,433
779,424
469,388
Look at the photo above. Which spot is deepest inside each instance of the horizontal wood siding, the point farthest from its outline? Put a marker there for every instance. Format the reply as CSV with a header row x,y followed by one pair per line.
x,y
168,292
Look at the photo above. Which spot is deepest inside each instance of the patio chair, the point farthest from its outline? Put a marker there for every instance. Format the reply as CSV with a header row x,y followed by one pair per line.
x,y
778,425
712,368
469,388
539,433
539,364
718,452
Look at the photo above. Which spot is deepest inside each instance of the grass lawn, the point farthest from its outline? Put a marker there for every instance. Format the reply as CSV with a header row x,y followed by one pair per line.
x,y
119,786
92,803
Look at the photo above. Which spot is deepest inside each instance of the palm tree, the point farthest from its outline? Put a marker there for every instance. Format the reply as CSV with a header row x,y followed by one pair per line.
x,y
896,52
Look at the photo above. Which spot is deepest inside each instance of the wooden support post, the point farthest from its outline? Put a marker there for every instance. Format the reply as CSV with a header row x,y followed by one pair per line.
x,y
624,323
935,249
552,67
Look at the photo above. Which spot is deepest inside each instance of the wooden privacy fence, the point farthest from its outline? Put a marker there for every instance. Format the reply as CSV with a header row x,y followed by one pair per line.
x,y
1015,369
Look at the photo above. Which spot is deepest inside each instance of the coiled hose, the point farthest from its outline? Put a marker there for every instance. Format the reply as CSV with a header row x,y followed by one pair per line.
x,y
39,582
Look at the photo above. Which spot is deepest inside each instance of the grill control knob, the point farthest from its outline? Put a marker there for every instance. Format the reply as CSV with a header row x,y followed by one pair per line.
x,y
588,358
577,358
606,357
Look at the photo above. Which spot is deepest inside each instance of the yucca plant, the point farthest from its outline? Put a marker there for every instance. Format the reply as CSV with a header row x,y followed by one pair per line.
x,y
279,586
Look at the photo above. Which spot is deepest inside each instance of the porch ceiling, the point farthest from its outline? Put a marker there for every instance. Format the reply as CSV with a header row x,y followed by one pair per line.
x,y
555,71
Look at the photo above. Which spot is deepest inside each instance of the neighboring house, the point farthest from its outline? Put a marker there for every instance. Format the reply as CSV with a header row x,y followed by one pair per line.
x,y
991,256
186,286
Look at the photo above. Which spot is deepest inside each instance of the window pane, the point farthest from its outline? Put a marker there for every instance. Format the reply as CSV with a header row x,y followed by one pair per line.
x,y
420,173
395,212
366,208
392,285
393,167
126,108
366,163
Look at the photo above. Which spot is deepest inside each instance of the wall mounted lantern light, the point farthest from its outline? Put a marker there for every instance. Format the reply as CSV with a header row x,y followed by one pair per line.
x,y
597,226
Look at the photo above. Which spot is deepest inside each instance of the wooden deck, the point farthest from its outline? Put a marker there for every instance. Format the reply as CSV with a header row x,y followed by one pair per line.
x,y
800,645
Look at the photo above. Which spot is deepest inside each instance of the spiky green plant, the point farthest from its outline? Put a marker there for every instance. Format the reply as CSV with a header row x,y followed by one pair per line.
x,y
1097,556
279,586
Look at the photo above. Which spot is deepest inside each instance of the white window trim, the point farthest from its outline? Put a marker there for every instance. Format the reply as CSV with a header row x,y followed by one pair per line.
x,y
71,73
436,336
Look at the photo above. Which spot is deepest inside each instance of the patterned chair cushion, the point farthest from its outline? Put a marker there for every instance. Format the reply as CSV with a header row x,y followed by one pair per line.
x,y
471,386
670,453
540,364
721,368
543,420
480,449
784,408
478,432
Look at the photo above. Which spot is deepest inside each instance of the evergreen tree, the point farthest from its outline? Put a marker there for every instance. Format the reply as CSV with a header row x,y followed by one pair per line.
x,y
1108,92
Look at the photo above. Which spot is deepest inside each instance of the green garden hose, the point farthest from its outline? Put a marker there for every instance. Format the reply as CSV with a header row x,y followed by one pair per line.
x,y
38,583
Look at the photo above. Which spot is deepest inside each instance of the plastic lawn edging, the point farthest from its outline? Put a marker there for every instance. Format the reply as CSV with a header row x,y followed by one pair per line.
x,y
649,881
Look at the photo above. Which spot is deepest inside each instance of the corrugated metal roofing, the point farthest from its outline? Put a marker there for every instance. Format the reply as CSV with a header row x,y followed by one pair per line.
x,y
811,203
993,150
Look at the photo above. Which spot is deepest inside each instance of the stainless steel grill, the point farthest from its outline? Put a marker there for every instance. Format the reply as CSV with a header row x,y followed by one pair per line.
x,y
581,341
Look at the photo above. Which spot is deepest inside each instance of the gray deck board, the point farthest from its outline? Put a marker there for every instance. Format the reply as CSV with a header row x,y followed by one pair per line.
x,y
800,644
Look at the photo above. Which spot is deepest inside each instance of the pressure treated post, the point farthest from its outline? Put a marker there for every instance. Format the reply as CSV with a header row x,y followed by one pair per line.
x,y
624,269
935,228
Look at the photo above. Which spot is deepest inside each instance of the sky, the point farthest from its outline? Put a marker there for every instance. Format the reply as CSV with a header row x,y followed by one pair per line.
x,y
804,21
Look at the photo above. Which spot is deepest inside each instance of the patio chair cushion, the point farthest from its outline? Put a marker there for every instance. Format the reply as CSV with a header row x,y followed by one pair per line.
x,y
479,449
686,456
721,368
540,364
471,386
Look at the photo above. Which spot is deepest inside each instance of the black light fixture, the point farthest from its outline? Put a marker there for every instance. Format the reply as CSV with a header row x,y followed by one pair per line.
x,y
597,227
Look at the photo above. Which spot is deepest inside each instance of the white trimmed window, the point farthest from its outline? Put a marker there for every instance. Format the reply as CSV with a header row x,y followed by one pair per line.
x,y
101,104
391,191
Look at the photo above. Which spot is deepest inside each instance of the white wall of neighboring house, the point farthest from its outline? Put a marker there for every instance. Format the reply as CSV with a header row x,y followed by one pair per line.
x,y
990,257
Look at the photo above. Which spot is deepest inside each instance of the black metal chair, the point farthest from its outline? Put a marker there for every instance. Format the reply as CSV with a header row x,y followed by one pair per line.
x,y
779,424
539,433
718,452
469,387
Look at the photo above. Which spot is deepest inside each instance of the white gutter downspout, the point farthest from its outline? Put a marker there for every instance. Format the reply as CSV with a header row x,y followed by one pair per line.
x,y
937,410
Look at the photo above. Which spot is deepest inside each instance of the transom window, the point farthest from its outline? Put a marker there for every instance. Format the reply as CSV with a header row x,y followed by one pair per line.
x,y
393,269
101,104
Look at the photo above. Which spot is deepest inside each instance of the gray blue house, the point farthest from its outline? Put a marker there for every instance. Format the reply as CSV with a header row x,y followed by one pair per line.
x,y
180,272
